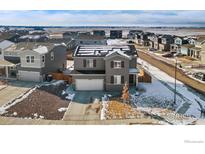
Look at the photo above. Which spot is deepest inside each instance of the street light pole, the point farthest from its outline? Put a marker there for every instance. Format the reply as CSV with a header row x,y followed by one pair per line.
x,y
175,81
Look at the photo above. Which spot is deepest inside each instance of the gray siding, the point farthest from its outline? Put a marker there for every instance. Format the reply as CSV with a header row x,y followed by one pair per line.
x,y
112,71
78,63
133,62
59,61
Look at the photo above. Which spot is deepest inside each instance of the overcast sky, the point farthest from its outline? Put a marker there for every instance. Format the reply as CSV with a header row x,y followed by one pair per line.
x,y
103,18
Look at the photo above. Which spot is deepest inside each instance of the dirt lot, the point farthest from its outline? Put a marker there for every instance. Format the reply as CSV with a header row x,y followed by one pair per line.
x,y
43,103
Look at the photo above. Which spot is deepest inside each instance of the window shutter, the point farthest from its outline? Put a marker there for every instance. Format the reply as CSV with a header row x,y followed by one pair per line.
x,y
122,80
112,79
94,63
122,64
84,63
112,64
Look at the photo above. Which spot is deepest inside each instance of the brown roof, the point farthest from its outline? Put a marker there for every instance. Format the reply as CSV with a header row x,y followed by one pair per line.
x,y
196,48
201,39
6,63
188,45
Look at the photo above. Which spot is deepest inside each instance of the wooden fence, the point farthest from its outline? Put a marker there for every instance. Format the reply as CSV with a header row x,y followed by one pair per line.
x,y
144,76
61,76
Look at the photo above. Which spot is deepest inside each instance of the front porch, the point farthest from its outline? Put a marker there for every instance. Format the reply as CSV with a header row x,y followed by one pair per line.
x,y
7,70
133,76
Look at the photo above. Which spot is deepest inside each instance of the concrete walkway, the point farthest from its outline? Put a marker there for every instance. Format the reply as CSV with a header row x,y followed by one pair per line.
x,y
13,90
77,111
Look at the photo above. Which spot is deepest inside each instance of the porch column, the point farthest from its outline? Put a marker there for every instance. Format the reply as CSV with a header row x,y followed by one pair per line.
x,y
136,80
7,72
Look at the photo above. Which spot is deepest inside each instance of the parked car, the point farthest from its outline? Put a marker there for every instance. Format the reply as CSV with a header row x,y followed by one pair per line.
x,y
200,76
130,42
152,49
168,55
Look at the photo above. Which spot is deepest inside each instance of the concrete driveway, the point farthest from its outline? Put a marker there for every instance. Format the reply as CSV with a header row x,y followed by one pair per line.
x,y
86,97
81,106
13,90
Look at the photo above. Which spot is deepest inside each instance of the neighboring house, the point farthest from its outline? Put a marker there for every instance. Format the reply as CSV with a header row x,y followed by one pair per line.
x,y
116,34
152,40
104,67
132,34
69,42
70,34
142,39
194,52
178,42
199,41
5,66
185,49
166,40
91,40
34,38
39,60
191,41
202,54
157,40
99,33
3,45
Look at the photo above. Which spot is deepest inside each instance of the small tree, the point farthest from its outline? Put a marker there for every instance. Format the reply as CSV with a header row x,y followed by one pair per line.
x,y
125,93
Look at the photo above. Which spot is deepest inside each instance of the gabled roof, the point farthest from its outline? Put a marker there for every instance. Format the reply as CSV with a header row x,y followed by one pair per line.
x,y
5,44
6,63
117,52
201,39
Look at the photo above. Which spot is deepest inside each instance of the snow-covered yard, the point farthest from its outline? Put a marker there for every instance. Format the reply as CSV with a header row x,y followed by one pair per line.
x,y
162,90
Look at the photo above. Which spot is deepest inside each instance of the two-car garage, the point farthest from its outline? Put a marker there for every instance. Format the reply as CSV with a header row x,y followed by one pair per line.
x,y
89,84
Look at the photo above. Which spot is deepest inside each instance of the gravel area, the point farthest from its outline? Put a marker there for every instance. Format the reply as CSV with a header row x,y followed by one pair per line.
x,y
43,103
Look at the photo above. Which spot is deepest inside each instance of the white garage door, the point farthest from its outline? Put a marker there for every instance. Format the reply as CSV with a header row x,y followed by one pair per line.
x,y
89,84
29,76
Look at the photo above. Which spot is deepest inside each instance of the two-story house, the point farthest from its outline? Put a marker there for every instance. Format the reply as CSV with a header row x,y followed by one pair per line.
x,y
132,34
116,34
166,40
178,42
104,67
142,39
37,60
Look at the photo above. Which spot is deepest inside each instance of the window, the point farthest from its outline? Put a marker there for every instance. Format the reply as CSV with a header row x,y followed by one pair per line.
x,y
52,56
43,59
117,64
117,79
28,59
32,59
89,63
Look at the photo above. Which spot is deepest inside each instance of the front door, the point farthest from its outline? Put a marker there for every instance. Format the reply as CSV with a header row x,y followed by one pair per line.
x,y
132,79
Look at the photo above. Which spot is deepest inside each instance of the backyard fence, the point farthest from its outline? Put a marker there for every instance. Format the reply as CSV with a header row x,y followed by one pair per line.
x,y
61,76
144,76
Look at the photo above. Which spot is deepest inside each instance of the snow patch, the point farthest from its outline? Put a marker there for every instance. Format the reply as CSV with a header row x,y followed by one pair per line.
x,y
62,109
16,100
